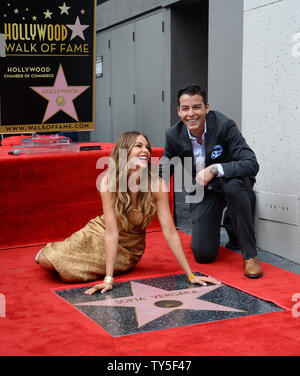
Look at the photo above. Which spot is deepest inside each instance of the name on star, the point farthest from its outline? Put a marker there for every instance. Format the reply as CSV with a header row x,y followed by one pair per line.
x,y
157,296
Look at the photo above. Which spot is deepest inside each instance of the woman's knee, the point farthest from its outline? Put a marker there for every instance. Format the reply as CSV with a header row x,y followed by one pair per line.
x,y
45,263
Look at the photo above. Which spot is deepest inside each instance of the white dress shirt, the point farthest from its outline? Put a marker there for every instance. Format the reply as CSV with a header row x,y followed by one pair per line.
x,y
199,153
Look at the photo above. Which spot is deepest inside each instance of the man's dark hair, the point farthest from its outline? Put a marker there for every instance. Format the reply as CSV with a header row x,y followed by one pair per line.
x,y
192,90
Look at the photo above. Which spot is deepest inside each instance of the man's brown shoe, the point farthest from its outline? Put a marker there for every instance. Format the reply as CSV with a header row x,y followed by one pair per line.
x,y
252,268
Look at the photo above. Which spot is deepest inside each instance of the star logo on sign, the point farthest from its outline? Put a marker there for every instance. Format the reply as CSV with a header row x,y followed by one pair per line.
x,y
77,29
48,14
64,9
150,303
60,96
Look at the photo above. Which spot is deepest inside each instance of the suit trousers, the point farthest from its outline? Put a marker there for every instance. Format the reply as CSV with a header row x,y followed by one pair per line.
x,y
206,218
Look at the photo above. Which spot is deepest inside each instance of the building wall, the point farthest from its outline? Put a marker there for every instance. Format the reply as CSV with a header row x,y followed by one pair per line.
x,y
132,92
270,118
113,12
189,50
164,56
225,57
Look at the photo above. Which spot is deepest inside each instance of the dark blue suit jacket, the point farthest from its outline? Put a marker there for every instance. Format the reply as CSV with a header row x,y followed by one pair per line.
x,y
237,158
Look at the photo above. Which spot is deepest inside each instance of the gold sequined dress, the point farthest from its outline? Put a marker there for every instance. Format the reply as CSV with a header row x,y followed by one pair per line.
x,y
81,257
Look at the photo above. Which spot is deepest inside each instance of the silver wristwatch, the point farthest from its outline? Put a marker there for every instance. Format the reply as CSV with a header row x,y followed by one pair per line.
x,y
214,170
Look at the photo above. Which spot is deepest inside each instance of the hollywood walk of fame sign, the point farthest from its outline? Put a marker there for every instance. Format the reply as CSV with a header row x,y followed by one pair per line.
x,y
47,77
164,302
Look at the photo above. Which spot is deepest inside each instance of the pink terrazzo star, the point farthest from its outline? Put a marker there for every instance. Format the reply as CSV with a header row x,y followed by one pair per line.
x,y
151,303
60,96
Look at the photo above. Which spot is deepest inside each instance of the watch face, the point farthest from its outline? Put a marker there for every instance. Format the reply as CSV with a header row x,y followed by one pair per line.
x,y
214,169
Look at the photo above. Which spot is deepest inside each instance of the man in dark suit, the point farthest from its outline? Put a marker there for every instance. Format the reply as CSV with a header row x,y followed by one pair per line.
x,y
224,166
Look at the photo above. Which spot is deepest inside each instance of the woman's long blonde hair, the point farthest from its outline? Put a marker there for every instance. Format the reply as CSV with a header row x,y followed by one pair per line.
x,y
117,172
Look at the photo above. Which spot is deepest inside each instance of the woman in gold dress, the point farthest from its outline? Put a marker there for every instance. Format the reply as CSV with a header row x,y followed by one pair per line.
x,y
131,193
